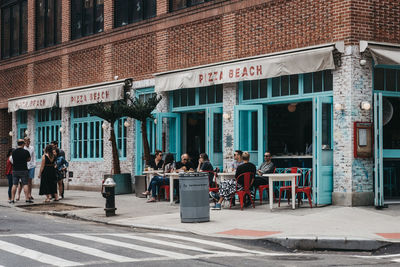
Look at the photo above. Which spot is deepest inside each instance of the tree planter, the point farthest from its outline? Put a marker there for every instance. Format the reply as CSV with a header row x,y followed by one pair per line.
x,y
123,183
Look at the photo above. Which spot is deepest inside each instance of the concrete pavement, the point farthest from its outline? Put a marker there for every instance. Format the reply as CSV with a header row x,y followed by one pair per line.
x,y
329,227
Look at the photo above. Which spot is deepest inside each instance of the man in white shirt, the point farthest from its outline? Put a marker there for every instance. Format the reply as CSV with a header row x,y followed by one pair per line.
x,y
31,164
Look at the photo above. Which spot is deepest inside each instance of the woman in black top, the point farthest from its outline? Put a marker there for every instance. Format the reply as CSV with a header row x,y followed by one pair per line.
x,y
206,166
157,163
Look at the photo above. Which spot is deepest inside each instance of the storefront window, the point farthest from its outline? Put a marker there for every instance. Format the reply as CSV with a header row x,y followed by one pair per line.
x,y
22,119
14,28
255,89
386,79
87,17
205,95
120,135
317,82
127,12
86,135
48,124
391,122
48,23
179,4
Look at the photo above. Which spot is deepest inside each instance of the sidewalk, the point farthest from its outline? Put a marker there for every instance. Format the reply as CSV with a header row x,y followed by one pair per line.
x,y
330,227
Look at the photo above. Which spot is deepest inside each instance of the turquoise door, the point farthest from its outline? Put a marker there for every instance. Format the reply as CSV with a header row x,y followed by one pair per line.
x,y
214,136
322,150
378,149
249,131
151,137
169,133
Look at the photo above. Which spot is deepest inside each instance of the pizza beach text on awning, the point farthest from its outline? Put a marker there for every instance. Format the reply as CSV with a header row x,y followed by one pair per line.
x,y
84,95
307,60
382,53
40,101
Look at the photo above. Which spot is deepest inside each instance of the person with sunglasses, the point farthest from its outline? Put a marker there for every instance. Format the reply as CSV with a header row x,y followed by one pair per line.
x,y
184,165
266,167
158,162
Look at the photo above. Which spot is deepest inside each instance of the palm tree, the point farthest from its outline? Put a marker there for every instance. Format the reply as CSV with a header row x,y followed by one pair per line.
x,y
110,112
141,110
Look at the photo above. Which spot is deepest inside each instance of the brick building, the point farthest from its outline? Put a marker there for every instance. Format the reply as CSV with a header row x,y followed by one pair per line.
x,y
257,75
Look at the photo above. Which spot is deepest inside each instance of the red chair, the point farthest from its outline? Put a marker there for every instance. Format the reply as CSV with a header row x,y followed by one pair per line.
x,y
213,187
288,188
166,191
261,189
306,188
248,179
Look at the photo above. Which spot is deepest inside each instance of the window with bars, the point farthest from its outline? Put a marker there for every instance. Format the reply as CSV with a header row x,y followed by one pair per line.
x,y
22,126
120,135
86,135
387,79
48,23
131,11
87,17
180,4
14,28
197,96
48,124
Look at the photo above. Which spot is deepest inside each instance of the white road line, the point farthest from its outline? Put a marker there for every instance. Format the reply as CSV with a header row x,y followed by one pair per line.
x,y
79,248
378,256
161,242
35,255
219,245
150,250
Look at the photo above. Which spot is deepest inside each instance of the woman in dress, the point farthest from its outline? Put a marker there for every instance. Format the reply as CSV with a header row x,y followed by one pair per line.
x,y
47,174
9,173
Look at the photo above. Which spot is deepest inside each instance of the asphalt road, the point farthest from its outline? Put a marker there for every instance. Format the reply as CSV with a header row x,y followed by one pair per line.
x,y
28,239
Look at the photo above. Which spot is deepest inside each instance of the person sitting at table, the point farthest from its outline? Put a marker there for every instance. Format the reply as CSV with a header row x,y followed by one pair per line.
x,y
184,165
157,162
228,187
266,167
206,166
238,160
157,181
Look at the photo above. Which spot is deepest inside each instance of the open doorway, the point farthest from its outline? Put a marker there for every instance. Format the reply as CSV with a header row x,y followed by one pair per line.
x,y
194,137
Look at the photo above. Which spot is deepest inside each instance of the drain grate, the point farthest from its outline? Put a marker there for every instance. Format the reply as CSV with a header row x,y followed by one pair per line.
x,y
52,207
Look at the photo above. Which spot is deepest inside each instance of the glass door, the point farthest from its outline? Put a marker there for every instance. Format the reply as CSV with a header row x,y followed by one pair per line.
x,y
151,137
169,133
214,136
249,131
378,149
322,150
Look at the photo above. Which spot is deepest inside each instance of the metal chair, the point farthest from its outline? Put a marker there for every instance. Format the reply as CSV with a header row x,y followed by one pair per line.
x,y
248,179
288,188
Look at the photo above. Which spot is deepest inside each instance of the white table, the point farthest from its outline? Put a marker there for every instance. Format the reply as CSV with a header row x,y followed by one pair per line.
x,y
172,176
222,176
282,177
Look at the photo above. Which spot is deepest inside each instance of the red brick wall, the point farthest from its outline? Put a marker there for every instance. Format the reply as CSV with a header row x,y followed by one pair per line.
x,y
214,31
47,75
86,66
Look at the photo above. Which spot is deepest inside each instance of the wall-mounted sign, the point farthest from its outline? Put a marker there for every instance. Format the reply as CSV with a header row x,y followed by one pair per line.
x,y
33,102
362,139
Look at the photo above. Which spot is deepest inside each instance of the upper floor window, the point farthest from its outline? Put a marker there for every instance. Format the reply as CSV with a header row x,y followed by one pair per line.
x,y
87,17
387,79
48,23
129,11
14,28
179,4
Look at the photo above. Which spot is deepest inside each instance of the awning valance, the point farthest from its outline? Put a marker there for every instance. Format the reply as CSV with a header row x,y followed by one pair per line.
x,y
263,67
105,93
382,53
33,102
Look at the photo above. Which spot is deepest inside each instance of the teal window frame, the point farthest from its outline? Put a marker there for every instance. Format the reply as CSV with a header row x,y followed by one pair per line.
x,y
196,102
47,125
385,69
120,137
22,123
301,94
89,148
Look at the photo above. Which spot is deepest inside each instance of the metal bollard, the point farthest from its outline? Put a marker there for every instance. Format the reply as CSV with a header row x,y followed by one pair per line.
x,y
108,191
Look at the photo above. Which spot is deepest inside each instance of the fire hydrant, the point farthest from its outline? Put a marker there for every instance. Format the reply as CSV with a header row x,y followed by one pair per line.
x,y
108,191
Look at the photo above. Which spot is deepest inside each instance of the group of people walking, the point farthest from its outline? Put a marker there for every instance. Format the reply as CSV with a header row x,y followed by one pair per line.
x,y
20,171
227,188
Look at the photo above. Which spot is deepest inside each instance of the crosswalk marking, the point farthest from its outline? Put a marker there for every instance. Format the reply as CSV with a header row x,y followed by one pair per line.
x,y
79,248
35,255
150,250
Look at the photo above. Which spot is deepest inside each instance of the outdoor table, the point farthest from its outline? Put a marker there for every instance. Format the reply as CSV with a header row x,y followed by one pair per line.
x,y
226,176
151,174
282,177
172,176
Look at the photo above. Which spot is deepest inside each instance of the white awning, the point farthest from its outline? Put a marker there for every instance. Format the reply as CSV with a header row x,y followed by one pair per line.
x,y
105,93
32,102
267,66
382,53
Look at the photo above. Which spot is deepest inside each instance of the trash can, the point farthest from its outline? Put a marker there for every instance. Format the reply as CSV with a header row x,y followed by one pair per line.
x,y
140,185
194,202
